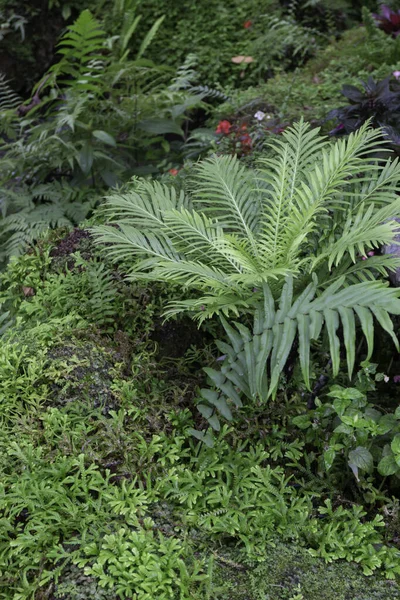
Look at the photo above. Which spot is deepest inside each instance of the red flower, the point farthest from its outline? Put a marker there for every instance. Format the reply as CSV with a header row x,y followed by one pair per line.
x,y
223,127
247,24
173,171
245,140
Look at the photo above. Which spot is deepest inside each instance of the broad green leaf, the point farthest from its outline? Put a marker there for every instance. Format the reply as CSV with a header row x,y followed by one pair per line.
x,y
85,158
105,137
286,343
367,326
349,333
214,422
203,437
350,393
387,423
216,376
346,429
340,405
303,324
361,458
332,324
209,395
302,421
205,410
223,408
160,126
329,457
388,466
395,445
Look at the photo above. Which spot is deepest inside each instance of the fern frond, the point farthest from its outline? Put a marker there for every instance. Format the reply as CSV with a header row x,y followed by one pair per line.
x,y
9,100
364,230
226,189
80,49
256,358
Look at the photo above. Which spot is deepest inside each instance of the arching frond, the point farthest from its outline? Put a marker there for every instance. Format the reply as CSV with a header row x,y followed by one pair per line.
x,y
255,359
145,205
363,230
227,190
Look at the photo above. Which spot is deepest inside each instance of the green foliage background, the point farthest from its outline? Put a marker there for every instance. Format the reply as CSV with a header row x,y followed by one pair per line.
x,y
107,488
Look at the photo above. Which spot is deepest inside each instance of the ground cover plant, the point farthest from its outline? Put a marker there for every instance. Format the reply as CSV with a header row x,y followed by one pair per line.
x,y
199,361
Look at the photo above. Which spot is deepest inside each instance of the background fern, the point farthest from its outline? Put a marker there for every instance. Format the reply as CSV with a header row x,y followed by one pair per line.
x,y
81,49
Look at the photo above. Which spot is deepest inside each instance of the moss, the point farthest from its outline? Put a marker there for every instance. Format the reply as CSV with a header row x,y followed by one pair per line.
x,y
291,570
75,585
87,370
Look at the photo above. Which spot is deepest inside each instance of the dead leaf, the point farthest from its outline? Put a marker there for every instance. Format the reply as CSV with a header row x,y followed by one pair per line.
x,y
28,291
242,59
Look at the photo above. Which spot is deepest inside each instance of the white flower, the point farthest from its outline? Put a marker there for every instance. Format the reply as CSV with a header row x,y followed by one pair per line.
x,y
259,115
396,74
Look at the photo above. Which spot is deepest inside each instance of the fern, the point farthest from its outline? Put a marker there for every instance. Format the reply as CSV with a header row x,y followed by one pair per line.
x,y
89,293
9,100
25,219
82,61
256,358
277,237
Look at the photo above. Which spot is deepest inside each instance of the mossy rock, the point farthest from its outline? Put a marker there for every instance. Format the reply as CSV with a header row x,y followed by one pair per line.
x,y
87,370
291,573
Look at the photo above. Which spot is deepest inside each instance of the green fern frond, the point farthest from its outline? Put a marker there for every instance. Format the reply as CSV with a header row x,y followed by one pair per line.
x,y
80,49
9,100
255,359
24,220
225,190
312,210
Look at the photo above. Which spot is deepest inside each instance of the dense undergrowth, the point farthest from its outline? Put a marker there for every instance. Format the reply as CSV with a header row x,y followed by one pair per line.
x,y
248,446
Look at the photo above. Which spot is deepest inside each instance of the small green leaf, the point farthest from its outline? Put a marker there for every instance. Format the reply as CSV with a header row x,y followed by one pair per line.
x,y
205,410
85,158
203,437
340,405
66,12
214,422
395,445
346,429
302,421
329,457
388,466
361,458
387,423
105,137
397,412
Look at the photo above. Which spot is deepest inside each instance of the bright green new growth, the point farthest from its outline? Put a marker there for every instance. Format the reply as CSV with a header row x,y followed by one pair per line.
x,y
285,242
